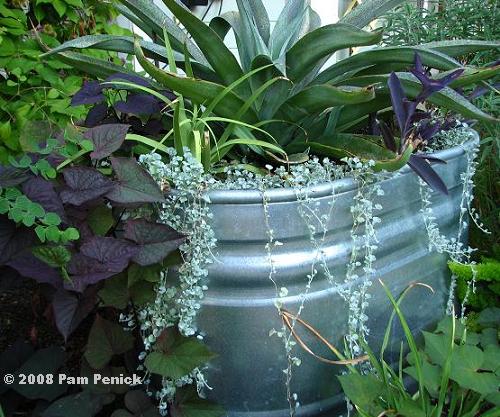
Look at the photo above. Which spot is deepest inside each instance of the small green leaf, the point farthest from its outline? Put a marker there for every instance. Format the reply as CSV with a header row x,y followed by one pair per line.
x,y
40,232
51,219
53,234
44,361
70,234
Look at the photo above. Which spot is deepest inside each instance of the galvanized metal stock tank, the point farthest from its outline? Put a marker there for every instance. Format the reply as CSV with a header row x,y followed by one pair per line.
x,y
238,311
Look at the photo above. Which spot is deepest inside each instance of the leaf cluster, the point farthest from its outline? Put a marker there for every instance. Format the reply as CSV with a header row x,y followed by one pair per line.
x,y
295,102
31,90
456,373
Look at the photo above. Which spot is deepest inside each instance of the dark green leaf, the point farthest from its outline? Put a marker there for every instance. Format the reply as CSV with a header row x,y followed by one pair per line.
x,y
176,355
105,340
322,42
84,404
44,361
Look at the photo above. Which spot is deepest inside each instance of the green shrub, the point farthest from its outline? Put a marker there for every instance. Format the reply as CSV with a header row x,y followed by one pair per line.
x,y
32,90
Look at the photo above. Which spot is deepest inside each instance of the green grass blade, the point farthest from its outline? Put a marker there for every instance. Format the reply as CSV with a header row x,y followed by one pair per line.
x,y
154,144
411,343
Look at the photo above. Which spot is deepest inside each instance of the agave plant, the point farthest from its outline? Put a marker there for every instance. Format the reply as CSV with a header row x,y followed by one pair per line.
x,y
279,82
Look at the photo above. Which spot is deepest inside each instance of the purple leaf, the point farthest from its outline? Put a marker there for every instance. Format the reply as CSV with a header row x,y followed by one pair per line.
x,y
128,78
42,192
139,104
427,129
30,266
152,126
85,271
13,239
84,184
96,115
397,97
135,185
70,309
425,171
157,240
106,139
90,93
431,85
10,176
431,158
115,254
387,135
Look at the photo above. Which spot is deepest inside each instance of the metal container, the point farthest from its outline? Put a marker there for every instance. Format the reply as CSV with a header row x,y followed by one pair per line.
x,y
238,311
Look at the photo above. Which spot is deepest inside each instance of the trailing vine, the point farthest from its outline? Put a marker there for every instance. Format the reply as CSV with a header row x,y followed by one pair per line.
x,y
454,247
364,244
187,210
177,305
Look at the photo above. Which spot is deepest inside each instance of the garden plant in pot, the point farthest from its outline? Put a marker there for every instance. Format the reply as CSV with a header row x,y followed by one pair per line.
x,y
309,235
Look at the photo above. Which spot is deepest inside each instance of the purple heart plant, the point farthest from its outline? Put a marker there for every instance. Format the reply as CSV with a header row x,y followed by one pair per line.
x,y
417,127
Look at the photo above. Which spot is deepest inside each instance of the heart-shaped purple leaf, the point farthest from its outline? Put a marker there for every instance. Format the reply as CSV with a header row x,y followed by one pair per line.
x,y
30,266
156,240
85,271
139,104
114,253
84,184
70,309
10,176
96,115
90,93
135,185
42,192
106,139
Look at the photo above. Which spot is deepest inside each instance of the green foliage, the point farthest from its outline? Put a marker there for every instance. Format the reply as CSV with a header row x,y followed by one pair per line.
x,y
106,339
445,20
175,355
456,372
466,19
22,210
32,90
290,99
486,291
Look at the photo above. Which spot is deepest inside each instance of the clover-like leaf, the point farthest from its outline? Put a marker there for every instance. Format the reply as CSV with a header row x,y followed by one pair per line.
x,y
83,185
156,240
176,355
106,139
135,185
106,339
